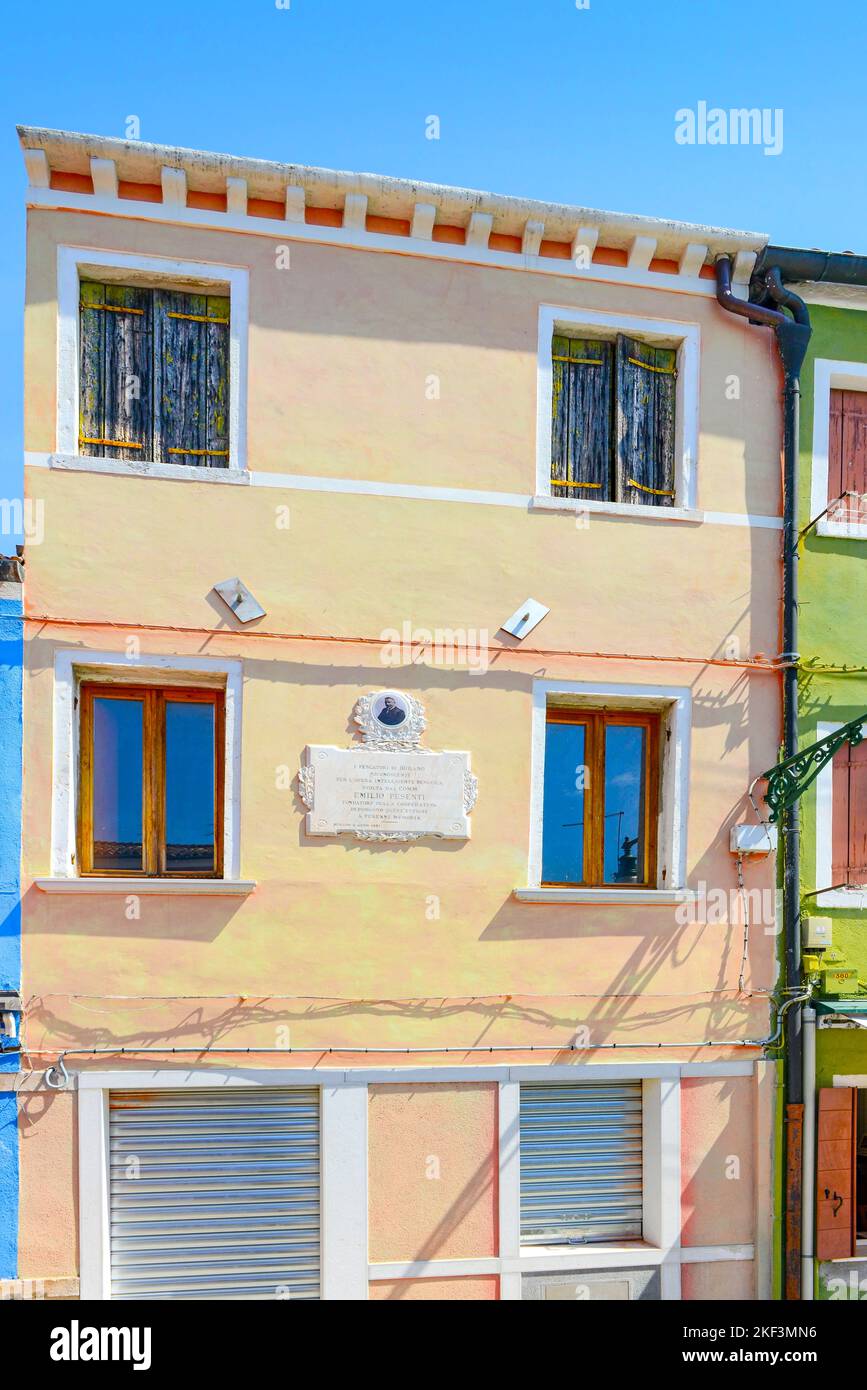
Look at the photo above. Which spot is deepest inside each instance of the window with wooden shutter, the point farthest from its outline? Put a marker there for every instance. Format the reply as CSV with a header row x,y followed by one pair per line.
x,y
849,816
581,417
191,379
645,423
835,1172
154,373
847,444
613,420
115,395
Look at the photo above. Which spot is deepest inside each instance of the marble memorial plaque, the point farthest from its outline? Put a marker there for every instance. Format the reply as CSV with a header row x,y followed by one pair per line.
x,y
387,787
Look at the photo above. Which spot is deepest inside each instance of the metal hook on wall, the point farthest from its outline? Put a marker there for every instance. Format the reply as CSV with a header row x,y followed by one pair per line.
x,y
56,1076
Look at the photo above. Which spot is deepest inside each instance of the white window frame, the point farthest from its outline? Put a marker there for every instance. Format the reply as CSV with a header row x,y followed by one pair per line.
x,y
675,703
831,375
343,1167
853,899
590,323
70,669
660,1159
72,263
346,1268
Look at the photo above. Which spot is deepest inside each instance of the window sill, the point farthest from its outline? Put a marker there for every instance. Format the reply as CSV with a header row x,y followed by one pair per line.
x,y
850,899
185,887
542,502
146,468
563,1258
842,530
660,897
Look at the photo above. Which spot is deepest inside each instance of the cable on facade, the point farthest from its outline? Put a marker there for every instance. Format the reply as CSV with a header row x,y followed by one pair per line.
x,y
768,667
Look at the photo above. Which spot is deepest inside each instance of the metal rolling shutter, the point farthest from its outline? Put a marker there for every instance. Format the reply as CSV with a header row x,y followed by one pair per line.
x,y
215,1193
580,1162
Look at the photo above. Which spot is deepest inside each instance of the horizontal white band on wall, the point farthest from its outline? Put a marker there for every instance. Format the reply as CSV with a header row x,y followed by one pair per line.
x,y
198,1076
556,1259
299,482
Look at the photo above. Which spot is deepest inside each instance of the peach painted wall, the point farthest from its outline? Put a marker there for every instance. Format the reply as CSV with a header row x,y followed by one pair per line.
x,y
479,1289
432,1175
727,1281
343,341
717,1120
340,349
48,1208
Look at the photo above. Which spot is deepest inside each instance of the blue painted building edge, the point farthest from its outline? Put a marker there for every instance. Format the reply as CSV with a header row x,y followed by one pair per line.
x,y
11,660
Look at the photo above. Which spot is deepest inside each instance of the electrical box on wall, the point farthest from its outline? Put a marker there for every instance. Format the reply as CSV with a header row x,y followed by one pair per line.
x,y
839,981
753,839
818,933
836,976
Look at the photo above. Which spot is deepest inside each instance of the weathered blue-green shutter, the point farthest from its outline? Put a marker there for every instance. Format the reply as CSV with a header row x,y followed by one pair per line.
x,y
581,417
116,369
644,413
191,379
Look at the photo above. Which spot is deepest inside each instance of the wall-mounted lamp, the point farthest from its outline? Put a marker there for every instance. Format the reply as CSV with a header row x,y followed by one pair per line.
x,y
525,618
238,598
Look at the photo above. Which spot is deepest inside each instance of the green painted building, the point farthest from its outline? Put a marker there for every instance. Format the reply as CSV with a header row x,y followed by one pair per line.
x,y
832,692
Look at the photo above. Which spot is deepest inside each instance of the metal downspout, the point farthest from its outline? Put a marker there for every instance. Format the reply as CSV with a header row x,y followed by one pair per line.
x,y
808,1208
792,340
793,336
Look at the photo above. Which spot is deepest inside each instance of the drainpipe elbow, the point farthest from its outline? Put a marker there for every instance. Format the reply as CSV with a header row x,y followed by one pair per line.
x,y
729,301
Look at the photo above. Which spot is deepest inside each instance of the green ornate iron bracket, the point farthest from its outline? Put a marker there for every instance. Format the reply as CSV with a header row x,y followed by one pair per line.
x,y
788,781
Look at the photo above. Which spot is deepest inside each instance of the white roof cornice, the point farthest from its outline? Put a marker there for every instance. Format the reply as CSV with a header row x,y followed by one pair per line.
x,y
48,151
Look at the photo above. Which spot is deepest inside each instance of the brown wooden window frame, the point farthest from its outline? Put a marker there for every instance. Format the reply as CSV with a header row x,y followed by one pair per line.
x,y
596,721
154,700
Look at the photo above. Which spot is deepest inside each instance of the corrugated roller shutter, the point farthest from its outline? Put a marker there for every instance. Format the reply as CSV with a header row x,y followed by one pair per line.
x,y
580,1162
215,1193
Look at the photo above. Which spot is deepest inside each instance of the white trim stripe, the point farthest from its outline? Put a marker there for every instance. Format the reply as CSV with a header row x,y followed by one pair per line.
x,y
358,487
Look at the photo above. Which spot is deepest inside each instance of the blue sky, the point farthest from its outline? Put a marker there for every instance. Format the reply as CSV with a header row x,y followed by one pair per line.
x,y
534,97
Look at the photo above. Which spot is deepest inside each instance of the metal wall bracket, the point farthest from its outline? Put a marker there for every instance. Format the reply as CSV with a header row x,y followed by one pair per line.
x,y
788,781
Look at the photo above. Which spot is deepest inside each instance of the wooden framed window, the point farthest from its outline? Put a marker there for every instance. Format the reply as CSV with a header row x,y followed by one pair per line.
x,y
151,776
154,374
613,420
849,816
601,798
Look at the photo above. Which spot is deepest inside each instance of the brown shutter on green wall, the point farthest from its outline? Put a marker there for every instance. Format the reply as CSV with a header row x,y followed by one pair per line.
x,y
847,443
116,352
835,1173
581,417
644,420
191,379
849,816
